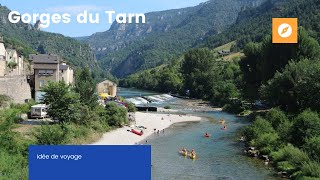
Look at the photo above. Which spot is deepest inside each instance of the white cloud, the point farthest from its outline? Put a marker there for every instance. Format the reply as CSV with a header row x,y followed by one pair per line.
x,y
74,9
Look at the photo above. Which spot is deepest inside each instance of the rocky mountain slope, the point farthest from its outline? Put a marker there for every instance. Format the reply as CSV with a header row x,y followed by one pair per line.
x,y
128,48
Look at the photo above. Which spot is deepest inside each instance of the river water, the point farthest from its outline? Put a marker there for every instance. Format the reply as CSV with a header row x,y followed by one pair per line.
x,y
219,157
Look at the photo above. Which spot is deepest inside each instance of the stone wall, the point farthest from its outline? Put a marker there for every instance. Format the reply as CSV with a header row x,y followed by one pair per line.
x,y
16,87
2,67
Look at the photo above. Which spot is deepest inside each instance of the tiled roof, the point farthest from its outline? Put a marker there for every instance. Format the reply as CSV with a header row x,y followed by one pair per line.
x,y
44,58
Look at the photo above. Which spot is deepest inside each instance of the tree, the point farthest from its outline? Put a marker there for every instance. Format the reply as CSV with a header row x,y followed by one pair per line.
x,y
259,126
264,60
196,70
280,123
296,88
63,103
85,86
115,115
306,125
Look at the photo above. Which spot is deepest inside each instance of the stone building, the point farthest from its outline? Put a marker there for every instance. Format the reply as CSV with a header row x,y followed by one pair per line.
x,y
47,68
3,53
108,87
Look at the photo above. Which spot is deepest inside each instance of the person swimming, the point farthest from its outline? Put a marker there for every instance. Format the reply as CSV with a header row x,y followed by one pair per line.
x,y
193,152
184,150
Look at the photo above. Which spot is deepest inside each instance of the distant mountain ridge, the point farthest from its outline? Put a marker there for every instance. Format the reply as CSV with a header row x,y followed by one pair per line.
x,y
128,48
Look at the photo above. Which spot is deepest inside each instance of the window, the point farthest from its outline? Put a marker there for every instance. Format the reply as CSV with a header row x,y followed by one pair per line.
x,y
41,72
45,72
50,72
41,83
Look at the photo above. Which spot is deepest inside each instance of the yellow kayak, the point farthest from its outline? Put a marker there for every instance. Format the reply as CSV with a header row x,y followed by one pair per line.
x,y
183,153
222,121
192,156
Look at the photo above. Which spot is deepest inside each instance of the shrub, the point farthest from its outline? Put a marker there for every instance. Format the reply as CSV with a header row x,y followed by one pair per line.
x,y
311,169
99,126
76,131
4,99
13,166
280,123
266,142
51,134
259,126
276,117
167,107
234,107
306,125
312,147
131,107
115,115
293,158
11,115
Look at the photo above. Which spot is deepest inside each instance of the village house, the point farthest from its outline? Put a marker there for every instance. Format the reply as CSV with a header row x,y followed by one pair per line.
x,y
15,64
3,53
47,68
13,76
107,87
11,63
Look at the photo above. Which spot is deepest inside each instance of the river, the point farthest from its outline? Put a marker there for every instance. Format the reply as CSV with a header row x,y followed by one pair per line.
x,y
219,157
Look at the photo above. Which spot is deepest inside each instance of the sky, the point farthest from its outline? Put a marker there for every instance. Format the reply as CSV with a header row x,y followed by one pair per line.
x,y
74,7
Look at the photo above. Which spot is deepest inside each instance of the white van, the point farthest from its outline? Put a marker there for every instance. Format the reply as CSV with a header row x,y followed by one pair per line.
x,y
39,111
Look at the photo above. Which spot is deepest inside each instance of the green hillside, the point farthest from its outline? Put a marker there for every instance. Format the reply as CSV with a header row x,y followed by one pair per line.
x,y
125,49
27,40
253,24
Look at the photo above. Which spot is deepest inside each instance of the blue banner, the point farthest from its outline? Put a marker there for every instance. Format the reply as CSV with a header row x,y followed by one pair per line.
x,y
89,162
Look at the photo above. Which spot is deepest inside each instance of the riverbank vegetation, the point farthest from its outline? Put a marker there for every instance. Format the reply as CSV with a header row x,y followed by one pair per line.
x,y
292,142
81,121
285,76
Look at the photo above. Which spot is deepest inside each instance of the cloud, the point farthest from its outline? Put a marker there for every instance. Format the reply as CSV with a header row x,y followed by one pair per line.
x,y
74,9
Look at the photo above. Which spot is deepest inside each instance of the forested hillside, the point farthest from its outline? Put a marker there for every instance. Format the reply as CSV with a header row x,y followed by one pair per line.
x,y
125,49
284,78
253,24
26,39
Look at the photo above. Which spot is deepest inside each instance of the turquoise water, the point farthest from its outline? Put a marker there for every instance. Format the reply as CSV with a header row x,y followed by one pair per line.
x,y
132,92
219,157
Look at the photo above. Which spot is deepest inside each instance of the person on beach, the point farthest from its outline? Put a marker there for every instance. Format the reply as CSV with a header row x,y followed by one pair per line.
x,y
158,132
163,131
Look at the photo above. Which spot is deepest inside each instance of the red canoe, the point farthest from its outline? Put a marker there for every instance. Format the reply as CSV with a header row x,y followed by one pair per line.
x,y
136,132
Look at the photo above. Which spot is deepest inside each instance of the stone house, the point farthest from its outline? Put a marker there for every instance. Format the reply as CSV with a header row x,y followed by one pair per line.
x,y
47,68
3,53
108,87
